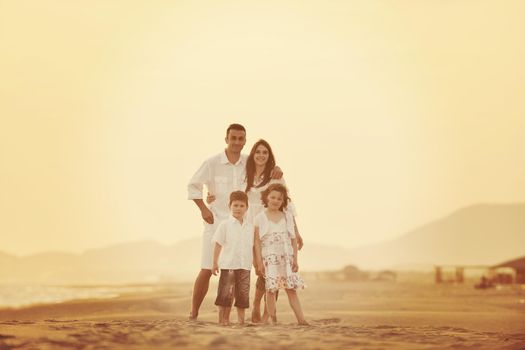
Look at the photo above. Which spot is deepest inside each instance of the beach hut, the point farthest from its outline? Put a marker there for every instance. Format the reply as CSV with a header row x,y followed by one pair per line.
x,y
518,265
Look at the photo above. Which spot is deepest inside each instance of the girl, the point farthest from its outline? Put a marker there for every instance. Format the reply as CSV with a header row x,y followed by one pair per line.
x,y
276,250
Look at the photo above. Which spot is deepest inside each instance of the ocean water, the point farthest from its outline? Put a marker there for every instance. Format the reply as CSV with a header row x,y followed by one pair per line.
x,y
17,296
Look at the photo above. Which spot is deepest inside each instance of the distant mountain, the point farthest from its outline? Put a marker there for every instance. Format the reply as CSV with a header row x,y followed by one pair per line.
x,y
6,259
144,261
480,234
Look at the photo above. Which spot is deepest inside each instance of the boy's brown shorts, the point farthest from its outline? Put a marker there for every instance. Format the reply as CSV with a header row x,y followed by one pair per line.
x,y
234,284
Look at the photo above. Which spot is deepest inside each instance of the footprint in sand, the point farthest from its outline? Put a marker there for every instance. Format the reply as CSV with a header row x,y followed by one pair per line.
x,y
218,341
3,337
325,321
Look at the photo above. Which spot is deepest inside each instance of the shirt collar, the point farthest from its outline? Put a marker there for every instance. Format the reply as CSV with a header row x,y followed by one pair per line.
x,y
234,220
224,159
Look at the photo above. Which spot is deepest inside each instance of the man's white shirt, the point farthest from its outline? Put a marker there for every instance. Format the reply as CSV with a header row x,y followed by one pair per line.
x,y
236,240
221,178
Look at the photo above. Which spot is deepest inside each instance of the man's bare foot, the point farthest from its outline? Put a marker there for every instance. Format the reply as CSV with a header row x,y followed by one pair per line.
x,y
256,315
303,323
193,317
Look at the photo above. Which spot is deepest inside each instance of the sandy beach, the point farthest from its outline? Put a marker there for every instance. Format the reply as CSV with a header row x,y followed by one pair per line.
x,y
342,315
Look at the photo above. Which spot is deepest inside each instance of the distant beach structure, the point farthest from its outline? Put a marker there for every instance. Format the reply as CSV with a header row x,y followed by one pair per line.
x,y
518,267
353,273
509,272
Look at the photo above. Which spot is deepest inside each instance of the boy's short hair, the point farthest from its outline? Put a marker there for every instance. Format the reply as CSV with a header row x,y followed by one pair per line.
x,y
235,127
238,196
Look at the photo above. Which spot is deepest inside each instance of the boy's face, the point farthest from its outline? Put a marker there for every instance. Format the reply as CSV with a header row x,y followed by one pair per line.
x,y
238,209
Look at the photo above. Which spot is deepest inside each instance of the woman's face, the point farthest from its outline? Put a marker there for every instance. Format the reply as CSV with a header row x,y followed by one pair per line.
x,y
275,200
261,155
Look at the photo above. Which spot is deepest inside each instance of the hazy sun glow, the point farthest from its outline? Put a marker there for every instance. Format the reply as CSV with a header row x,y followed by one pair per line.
x,y
383,115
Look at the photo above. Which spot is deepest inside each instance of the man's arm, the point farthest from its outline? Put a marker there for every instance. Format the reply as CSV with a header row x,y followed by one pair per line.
x,y
201,177
206,213
276,173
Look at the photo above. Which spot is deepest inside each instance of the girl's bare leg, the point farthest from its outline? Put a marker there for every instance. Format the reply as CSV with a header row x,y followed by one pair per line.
x,y
265,313
270,303
296,306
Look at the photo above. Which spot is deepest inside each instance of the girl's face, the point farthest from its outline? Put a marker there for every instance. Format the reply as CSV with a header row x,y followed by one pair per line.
x,y
275,200
261,155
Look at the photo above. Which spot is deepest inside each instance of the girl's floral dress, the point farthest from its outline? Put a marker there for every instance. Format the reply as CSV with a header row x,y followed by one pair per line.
x,y
277,252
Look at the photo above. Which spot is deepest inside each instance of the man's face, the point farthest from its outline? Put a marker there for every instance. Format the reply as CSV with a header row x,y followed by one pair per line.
x,y
238,209
235,140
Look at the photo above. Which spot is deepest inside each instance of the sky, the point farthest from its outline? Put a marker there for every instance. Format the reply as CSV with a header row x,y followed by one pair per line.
x,y
383,115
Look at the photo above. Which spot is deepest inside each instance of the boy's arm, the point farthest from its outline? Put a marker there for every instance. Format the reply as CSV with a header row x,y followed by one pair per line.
x,y
216,253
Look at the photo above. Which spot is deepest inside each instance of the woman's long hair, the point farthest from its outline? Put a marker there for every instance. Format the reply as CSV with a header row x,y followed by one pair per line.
x,y
250,165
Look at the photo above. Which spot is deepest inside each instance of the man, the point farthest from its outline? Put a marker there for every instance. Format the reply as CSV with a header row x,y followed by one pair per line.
x,y
221,174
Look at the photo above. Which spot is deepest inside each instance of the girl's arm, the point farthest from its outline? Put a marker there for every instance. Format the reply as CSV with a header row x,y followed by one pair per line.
x,y
259,266
216,253
295,265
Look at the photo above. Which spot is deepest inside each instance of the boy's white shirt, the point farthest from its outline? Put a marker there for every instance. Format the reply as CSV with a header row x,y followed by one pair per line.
x,y
237,241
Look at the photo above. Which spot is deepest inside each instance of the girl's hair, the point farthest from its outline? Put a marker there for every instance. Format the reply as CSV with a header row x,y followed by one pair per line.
x,y
250,165
279,188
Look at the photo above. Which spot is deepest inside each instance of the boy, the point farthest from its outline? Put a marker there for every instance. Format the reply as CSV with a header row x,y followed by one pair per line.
x,y
233,253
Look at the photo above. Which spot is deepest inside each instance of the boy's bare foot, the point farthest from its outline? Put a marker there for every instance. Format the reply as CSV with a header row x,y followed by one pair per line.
x,y
303,323
192,317
256,315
